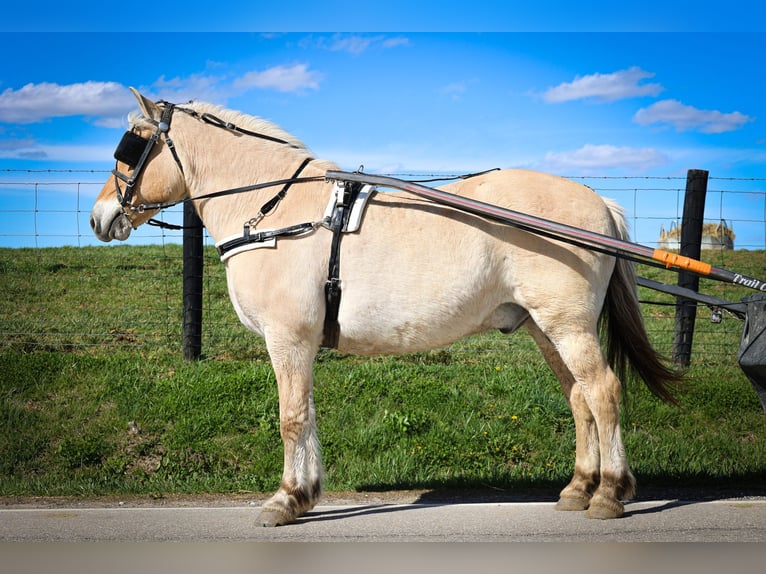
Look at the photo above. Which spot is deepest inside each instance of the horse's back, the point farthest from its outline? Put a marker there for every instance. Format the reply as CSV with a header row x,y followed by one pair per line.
x,y
420,275
539,194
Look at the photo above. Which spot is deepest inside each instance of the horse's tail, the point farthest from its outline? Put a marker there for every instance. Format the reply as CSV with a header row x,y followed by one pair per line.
x,y
628,347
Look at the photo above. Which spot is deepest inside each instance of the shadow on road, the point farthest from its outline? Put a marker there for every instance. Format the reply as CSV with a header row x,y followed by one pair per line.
x,y
324,515
673,497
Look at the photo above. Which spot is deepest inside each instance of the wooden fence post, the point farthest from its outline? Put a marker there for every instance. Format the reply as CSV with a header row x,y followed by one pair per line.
x,y
691,241
192,288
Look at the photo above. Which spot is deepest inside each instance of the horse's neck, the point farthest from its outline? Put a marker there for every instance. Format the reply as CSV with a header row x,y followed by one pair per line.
x,y
248,162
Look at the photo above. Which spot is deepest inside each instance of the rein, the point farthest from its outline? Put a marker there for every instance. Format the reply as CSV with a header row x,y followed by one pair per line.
x,y
265,209
287,182
129,152
219,123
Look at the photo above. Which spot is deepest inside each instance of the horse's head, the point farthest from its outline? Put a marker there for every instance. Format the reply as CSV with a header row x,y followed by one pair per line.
x,y
147,174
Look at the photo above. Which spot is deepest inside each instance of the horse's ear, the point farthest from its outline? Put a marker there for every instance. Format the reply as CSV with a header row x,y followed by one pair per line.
x,y
147,106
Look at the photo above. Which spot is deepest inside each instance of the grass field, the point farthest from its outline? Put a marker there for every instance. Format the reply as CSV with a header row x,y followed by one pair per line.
x,y
96,399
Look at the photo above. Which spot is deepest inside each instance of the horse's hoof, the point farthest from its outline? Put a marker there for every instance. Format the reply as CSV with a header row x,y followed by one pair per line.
x,y
272,518
571,503
605,509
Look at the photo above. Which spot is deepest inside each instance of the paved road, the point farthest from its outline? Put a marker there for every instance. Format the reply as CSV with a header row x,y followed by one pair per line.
x,y
735,520
220,536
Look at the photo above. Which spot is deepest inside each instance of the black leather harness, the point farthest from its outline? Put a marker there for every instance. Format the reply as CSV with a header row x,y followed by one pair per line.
x,y
332,288
337,222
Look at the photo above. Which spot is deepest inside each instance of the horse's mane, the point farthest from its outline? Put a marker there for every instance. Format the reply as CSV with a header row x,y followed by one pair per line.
x,y
242,120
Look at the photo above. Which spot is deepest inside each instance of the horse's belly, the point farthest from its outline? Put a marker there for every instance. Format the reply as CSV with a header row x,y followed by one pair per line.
x,y
380,329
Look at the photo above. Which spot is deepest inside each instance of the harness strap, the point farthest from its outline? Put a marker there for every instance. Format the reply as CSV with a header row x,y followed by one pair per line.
x,y
149,206
172,148
218,122
332,288
267,207
152,206
249,237
259,237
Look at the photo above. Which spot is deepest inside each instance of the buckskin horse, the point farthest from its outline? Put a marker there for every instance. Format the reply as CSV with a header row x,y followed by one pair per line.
x,y
415,275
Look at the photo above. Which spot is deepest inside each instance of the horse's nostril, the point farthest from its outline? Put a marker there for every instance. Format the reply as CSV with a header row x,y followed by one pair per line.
x,y
94,224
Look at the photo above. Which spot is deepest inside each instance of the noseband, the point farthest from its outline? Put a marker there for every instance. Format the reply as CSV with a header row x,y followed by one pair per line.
x,y
133,150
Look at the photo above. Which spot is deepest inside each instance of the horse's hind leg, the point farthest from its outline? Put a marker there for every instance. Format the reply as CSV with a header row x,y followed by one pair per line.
x,y
577,494
594,389
301,484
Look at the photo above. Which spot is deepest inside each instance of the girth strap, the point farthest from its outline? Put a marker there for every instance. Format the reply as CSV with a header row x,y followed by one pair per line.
x,y
332,288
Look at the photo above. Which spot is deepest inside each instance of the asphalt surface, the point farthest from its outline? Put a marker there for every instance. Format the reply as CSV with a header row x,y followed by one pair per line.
x,y
381,534
382,519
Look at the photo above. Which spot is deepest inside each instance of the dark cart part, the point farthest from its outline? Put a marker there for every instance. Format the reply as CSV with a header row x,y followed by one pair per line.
x,y
752,351
738,309
752,348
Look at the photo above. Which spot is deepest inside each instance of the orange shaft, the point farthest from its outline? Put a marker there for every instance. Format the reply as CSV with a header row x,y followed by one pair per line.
x,y
682,262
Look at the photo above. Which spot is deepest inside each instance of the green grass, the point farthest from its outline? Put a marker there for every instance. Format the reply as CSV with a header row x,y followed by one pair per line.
x,y
96,399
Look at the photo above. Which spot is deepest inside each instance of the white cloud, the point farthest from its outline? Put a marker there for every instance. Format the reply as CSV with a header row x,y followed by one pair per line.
x,y
683,117
395,42
63,153
37,102
604,87
454,90
592,158
106,104
294,78
354,43
194,87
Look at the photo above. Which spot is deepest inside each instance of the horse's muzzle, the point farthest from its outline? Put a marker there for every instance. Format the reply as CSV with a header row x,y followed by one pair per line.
x,y
110,224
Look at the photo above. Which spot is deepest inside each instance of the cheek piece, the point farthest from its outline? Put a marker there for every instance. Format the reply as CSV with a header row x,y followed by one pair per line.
x,y
133,150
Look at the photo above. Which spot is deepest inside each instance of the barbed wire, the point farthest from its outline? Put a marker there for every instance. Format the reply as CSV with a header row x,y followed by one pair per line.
x,y
9,170
432,174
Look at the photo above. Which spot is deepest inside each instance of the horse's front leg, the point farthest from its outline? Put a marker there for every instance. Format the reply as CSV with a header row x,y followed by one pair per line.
x,y
301,483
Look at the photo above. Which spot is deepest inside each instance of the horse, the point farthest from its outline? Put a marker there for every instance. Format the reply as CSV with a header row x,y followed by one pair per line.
x,y
415,276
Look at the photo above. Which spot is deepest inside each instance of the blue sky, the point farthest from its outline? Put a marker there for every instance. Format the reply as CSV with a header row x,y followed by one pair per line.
x,y
635,94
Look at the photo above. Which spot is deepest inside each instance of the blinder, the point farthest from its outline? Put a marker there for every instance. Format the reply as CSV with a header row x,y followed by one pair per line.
x,y
131,148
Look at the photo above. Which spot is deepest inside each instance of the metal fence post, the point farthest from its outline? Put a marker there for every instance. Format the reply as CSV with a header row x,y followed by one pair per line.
x,y
192,287
691,241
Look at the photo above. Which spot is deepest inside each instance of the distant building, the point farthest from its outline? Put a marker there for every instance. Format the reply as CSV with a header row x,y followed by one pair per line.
x,y
714,236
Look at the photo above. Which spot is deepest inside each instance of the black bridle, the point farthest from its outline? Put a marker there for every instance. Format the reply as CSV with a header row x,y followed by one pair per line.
x,y
133,150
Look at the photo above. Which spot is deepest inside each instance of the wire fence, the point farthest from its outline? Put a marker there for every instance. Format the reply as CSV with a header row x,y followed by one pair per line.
x,y
65,290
